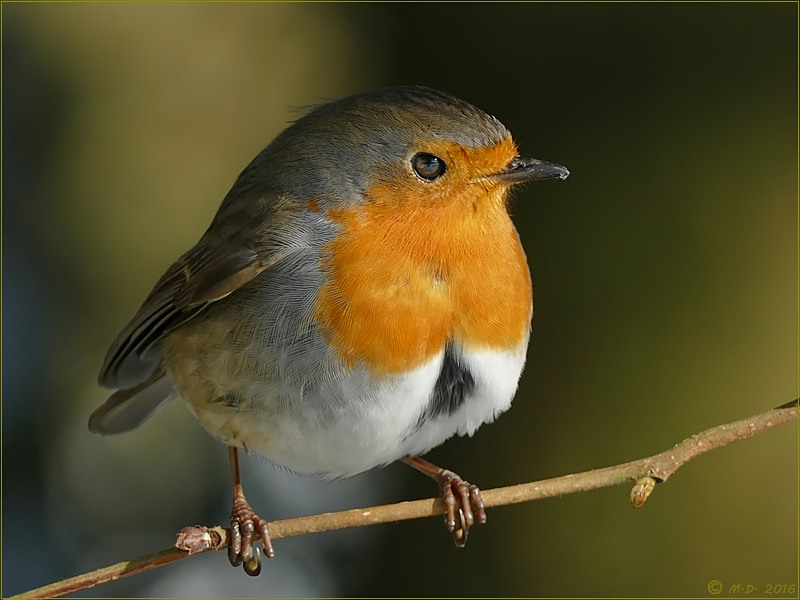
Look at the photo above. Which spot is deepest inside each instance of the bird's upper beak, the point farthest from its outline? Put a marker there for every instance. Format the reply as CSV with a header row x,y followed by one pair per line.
x,y
529,169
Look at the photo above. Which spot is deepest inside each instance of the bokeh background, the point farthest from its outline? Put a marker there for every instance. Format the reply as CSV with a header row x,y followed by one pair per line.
x,y
665,271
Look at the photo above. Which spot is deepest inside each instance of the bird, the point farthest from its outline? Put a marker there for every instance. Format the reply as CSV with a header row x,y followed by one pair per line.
x,y
361,296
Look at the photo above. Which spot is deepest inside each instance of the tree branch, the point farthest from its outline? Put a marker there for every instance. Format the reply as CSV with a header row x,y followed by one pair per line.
x,y
645,473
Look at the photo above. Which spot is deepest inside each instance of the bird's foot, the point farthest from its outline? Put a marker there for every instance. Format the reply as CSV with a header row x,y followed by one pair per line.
x,y
246,528
463,505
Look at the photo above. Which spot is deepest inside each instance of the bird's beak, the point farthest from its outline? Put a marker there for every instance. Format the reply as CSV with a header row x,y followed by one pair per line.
x,y
529,169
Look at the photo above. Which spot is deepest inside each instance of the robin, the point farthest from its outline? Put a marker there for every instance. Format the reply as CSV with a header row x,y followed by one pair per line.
x,y
360,297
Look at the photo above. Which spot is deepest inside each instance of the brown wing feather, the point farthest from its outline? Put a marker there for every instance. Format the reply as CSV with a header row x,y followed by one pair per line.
x,y
180,294
223,260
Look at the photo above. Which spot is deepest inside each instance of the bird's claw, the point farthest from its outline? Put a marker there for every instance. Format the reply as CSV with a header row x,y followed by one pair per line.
x,y
461,499
247,527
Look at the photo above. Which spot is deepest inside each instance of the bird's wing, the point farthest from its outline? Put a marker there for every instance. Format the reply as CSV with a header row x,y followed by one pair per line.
x,y
203,275
239,244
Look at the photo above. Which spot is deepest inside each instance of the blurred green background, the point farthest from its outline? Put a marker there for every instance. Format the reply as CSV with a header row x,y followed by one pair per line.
x,y
665,271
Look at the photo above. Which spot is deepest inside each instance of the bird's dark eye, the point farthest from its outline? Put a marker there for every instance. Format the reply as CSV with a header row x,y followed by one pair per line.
x,y
428,166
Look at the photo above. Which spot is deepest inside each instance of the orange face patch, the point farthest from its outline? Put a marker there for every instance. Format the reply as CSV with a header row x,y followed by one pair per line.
x,y
421,263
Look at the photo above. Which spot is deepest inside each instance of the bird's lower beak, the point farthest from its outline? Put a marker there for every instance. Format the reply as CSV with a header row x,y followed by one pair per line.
x,y
529,169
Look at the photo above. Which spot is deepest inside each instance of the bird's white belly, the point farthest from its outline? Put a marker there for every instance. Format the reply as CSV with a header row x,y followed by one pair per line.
x,y
365,422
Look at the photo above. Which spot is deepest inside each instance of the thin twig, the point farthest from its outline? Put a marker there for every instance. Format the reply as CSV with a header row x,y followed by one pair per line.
x,y
645,472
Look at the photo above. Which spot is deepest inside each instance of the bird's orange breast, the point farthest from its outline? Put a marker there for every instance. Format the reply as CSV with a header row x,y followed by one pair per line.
x,y
408,272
